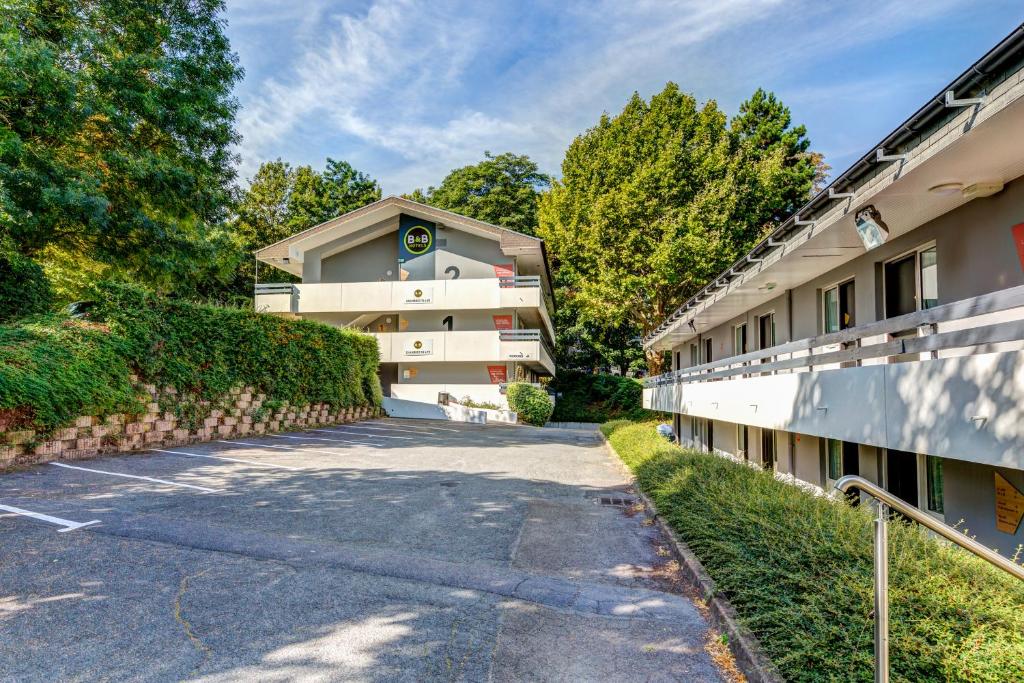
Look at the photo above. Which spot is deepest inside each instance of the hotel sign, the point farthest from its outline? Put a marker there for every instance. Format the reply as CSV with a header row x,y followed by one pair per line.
x,y
417,294
419,347
415,238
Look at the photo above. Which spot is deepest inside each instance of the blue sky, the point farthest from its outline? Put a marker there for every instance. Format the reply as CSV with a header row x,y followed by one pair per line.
x,y
407,90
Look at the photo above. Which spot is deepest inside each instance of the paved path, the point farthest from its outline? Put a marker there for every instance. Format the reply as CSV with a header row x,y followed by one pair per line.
x,y
388,550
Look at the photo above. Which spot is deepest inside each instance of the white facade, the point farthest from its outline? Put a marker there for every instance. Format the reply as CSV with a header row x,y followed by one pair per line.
x,y
903,364
465,317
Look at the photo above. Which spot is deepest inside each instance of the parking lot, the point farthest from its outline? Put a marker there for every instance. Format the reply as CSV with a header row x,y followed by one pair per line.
x,y
383,550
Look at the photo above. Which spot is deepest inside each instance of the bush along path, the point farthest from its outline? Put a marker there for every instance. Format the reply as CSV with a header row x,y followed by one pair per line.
x,y
798,570
142,369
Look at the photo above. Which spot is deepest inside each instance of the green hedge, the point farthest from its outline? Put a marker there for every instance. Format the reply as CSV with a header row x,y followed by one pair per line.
x,y
798,569
532,404
586,397
55,369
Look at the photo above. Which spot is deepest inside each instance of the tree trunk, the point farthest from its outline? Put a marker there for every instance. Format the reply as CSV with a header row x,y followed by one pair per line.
x,y
655,361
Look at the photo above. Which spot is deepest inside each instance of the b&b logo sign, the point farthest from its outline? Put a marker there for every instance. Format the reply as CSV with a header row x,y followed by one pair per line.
x,y
415,238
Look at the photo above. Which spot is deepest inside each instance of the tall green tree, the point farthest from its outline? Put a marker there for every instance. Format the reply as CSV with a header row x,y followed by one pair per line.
x,y
116,122
657,200
503,190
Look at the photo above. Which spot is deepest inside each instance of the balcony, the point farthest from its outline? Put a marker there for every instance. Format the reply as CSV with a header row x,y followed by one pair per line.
x,y
947,381
524,346
518,292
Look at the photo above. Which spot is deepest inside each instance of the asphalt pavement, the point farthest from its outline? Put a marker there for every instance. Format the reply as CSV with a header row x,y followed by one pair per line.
x,y
388,550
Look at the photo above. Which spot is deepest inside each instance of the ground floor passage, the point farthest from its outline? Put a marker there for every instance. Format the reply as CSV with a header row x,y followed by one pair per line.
x,y
382,550
980,499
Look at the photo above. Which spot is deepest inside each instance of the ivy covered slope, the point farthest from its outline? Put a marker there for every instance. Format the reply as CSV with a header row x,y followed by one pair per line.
x,y
54,368
586,397
798,569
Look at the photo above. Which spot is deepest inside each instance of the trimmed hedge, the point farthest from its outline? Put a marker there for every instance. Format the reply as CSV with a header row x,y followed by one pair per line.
x,y
586,397
798,569
55,369
532,404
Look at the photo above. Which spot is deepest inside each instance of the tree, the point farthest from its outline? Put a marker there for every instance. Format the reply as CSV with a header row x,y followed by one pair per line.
x,y
501,189
654,202
116,122
281,201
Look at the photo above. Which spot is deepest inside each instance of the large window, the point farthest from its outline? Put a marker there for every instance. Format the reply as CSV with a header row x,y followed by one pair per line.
x,y
768,449
766,331
911,282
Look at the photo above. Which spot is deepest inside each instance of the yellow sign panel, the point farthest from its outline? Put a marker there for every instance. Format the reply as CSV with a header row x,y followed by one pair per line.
x,y
1009,505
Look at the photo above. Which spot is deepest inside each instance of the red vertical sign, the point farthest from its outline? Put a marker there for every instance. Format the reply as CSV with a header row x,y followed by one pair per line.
x,y
502,322
498,374
504,270
1018,239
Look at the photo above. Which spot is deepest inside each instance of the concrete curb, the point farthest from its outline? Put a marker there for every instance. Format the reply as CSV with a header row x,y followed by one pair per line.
x,y
744,646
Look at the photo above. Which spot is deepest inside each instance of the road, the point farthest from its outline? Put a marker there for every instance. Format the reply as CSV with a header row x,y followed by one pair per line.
x,y
381,551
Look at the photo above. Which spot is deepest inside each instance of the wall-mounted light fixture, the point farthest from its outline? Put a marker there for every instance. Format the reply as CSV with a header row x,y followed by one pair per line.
x,y
871,228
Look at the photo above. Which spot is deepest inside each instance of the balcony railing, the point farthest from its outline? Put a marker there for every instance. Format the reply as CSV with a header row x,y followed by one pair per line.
x,y
275,288
976,325
519,281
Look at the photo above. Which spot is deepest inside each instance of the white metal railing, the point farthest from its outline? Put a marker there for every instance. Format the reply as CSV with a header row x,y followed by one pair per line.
x,y
857,344
519,281
275,288
525,335
881,557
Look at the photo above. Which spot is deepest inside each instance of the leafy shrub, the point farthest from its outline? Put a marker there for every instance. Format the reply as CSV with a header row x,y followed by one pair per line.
x,y
24,289
55,369
798,569
532,404
585,397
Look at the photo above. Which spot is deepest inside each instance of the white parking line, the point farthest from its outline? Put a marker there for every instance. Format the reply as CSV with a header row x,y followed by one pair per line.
x,y
221,457
342,431
418,426
394,429
135,476
66,523
319,438
318,451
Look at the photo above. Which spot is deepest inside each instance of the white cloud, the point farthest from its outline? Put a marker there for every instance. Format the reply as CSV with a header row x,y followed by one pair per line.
x,y
416,88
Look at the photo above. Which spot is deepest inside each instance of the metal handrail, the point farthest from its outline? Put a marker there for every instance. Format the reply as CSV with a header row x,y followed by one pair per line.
x,y
881,552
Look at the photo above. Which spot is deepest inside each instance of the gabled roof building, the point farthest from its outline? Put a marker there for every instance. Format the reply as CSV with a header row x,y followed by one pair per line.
x,y
458,306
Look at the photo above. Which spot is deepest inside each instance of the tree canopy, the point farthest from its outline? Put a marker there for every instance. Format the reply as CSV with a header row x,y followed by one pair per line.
x,y
657,200
502,190
116,122
281,201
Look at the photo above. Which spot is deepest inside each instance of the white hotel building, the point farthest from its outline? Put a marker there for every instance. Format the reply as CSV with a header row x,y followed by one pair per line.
x,y
457,305
816,356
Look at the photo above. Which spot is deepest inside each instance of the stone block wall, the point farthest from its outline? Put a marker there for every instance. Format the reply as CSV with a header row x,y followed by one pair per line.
x,y
243,412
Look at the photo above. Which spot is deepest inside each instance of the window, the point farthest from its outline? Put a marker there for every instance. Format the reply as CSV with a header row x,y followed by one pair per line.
x,y
933,481
694,360
835,459
741,442
768,449
694,433
766,331
911,282
739,339
707,351
838,305
711,436
843,458
929,268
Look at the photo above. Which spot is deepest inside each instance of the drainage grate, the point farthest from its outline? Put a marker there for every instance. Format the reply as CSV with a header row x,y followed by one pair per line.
x,y
617,502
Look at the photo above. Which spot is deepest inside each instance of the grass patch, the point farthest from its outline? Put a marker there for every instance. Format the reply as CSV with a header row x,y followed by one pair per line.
x,y
798,569
54,368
